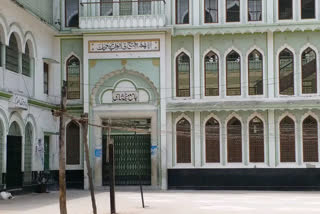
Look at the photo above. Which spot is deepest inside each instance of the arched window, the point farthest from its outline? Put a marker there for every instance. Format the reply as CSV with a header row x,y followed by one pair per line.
x,y
211,66
233,74
256,140
255,69
254,10
12,55
183,132
310,140
27,176
234,137
72,13
73,78
211,11
182,11
212,141
73,143
286,72
183,75
287,140
26,58
309,71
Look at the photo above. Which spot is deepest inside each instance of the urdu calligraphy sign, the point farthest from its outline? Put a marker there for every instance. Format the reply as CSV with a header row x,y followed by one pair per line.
x,y
124,46
18,102
125,97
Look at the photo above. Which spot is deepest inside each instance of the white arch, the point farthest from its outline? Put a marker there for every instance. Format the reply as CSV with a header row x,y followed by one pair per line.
x,y
283,47
206,119
226,53
183,115
182,50
30,40
65,64
3,30
16,117
215,51
18,33
314,48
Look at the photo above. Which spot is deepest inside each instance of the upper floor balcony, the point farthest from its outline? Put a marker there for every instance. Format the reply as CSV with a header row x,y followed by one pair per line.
x,y
108,14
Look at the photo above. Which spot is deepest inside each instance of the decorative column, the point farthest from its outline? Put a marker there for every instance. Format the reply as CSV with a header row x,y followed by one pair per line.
x,y
196,68
197,139
272,138
270,66
269,10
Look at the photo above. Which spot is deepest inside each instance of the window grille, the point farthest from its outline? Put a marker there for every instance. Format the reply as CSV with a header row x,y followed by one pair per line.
x,y
106,7
26,58
256,140
286,73
73,78
183,132
73,144
285,9
308,9
183,75
12,55
182,11
212,141
211,74
233,74
287,140
309,71
234,137
255,69
310,140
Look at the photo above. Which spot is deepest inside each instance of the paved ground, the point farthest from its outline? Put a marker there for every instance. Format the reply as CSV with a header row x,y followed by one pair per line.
x,y
175,202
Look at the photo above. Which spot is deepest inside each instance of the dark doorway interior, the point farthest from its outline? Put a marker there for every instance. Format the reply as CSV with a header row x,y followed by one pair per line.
x,y
14,153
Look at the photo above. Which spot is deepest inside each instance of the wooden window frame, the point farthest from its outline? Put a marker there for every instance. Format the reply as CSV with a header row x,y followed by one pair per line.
x,y
261,12
240,64
292,12
262,73
190,140
79,143
303,140
177,75
46,70
249,137
316,71
228,152
315,11
204,11
205,75
176,10
206,142
67,77
295,148
66,24
293,68
226,12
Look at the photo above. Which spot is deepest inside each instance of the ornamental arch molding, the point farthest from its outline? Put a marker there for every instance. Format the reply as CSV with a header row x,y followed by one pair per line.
x,y
100,85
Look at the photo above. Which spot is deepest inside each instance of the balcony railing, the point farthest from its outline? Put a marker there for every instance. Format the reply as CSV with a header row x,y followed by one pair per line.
x,y
122,14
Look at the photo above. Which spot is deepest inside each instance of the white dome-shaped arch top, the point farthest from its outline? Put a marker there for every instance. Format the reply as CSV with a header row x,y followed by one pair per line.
x,y
122,86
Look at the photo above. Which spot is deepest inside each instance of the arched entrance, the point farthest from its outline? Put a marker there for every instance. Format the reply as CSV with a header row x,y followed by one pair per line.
x,y
14,154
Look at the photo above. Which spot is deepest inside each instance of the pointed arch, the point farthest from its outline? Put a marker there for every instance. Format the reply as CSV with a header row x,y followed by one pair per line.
x,y
310,139
183,75
12,53
234,140
256,140
287,140
255,72
309,76
233,73
73,143
183,141
211,74
212,137
73,77
286,72
26,60
31,41
29,136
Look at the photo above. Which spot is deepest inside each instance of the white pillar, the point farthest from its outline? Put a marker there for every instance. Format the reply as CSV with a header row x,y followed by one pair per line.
x,y
195,8
271,73
163,114
269,10
299,140
196,67
197,140
272,139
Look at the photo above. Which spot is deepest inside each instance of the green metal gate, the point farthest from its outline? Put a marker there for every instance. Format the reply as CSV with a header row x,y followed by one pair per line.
x,y
132,160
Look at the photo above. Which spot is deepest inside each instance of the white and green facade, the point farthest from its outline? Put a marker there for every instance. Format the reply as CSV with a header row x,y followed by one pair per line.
x,y
225,93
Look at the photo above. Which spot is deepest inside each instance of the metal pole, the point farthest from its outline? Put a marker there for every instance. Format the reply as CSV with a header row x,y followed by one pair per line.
x,y
112,178
141,190
62,160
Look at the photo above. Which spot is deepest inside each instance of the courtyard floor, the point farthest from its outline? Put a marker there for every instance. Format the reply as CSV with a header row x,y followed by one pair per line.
x,y
167,202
